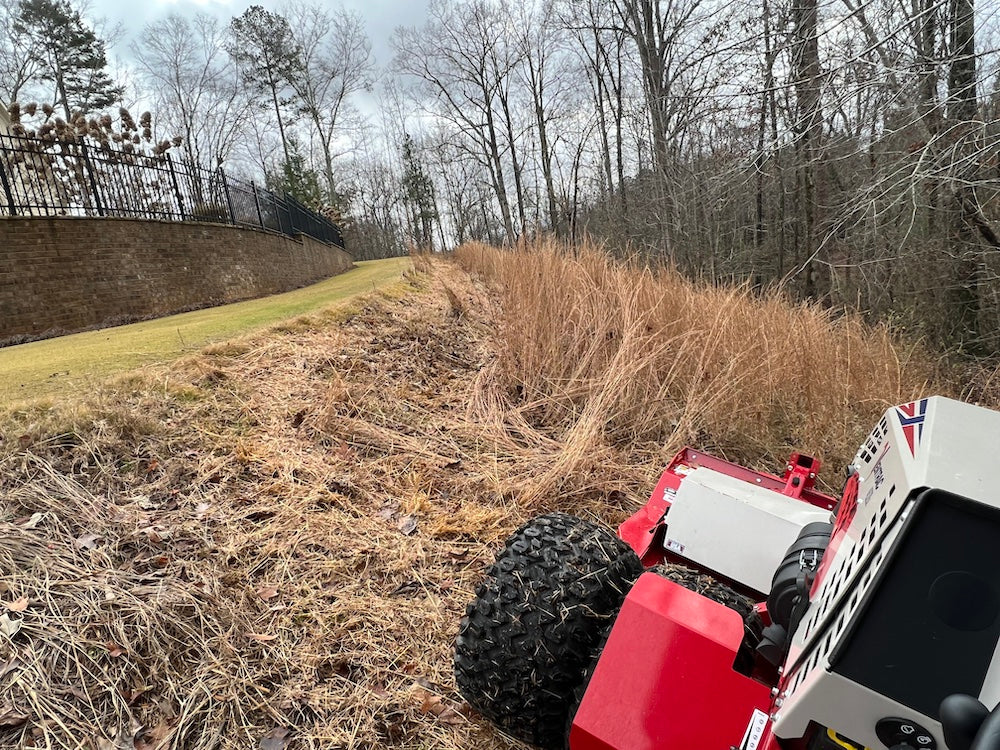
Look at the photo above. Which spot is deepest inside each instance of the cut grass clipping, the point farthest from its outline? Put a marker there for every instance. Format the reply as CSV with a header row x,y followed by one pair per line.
x,y
68,363
271,544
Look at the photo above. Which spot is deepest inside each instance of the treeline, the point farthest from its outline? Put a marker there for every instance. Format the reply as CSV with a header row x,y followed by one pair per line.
x,y
846,149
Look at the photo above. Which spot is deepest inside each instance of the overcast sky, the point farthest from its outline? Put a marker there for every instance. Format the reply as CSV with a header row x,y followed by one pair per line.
x,y
381,16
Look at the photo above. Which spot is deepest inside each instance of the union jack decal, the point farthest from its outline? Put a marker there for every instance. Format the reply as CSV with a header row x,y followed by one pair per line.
x,y
911,418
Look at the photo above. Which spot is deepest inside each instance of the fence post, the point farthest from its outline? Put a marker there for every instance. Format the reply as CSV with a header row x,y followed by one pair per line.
x,y
6,189
256,200
229,198
93,180
177,189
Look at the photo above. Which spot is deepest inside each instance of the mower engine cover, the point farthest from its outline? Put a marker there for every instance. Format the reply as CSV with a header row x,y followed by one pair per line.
x,y
905,608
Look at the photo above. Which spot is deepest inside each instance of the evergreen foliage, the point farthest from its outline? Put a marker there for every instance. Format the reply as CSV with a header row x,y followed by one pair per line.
x,y
418,195
70,55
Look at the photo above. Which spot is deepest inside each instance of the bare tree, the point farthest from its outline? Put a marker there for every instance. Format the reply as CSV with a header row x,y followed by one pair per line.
x,y
334,62
196,87
18,67
455,58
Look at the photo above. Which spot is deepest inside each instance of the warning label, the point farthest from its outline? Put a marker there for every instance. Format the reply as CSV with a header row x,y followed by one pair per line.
x,y
755,730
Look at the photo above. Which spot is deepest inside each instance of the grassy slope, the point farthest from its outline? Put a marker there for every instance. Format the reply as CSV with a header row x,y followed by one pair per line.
x,y
69,363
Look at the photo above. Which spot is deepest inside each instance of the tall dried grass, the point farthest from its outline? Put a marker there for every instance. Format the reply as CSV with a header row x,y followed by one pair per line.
x,y
607,353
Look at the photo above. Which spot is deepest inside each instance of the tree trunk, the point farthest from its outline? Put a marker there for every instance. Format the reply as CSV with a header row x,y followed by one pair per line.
x,y
515,164
537,80
281,124
809,129
496,173
962,109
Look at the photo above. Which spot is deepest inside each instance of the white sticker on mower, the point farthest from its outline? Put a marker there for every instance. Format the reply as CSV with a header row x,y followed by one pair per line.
x,y
674,546
755,730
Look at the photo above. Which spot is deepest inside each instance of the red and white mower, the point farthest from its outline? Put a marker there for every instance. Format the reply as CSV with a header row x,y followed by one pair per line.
x,y
769,616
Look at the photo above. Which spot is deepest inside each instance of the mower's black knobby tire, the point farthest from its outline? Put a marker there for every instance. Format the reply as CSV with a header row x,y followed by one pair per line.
x,y
529,634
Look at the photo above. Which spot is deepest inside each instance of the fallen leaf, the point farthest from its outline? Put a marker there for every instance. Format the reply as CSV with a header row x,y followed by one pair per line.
x,y
18,605
261,637
70,690
344,450
31,523
276,739
87,541
450,715
152,466
166,708
407,525
10,666
405,589
153,738
152,535
133,694
114,650
11,717
436,706
267,592
10,627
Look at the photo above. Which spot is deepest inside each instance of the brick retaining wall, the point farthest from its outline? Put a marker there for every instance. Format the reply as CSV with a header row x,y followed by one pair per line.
x,y
63,274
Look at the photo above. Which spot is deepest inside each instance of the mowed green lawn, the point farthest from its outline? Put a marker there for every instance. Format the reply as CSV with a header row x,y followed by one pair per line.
x,y
70,363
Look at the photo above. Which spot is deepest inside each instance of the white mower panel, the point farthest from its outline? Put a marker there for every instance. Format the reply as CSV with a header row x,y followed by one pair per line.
x,y
735,528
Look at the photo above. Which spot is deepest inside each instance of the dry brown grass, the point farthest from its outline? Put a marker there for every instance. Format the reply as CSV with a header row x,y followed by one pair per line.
x,y
607,354
271,543
281,533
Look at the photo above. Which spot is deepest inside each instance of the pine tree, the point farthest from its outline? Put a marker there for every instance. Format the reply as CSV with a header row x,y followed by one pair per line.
x,y
70,55
418,193
263,47
297,179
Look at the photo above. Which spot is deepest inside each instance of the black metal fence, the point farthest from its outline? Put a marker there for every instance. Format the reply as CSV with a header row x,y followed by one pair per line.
x,y
49,177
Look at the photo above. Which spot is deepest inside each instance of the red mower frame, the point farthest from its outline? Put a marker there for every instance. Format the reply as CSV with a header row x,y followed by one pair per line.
x,y
672,651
